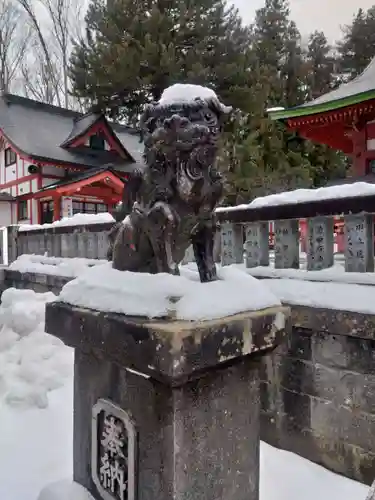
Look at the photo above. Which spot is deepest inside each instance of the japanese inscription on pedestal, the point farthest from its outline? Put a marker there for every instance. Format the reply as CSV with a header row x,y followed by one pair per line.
x,y
257,243
359,236
286,244
113,452
231,244
320,243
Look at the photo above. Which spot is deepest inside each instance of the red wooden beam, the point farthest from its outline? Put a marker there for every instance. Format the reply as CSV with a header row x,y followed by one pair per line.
x,y
106,178
96,192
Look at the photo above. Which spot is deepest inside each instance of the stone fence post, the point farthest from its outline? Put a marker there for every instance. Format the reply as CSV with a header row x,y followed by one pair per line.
x,y
166,409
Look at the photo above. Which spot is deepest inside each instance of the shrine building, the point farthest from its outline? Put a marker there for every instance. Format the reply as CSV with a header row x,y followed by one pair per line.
x,y
55,162
343,119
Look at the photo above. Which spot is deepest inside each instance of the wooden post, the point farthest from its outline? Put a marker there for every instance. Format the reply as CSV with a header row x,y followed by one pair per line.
x,y
359,243
287,244
257,245
56,208
319,243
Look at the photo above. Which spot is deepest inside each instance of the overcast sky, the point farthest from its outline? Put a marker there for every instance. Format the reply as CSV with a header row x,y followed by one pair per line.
x,y
326,15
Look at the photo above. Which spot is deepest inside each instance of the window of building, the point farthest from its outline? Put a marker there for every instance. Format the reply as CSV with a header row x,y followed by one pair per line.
x,y
97,142
10,157
371,167
22,210
89,208
47,212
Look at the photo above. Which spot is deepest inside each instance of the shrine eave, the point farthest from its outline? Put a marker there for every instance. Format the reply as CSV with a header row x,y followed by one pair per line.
x,y
324,107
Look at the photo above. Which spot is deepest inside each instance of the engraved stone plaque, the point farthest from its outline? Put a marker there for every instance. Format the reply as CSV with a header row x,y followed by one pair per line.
x,y
257,245
320,243
359,243
286,244
231,244
113,447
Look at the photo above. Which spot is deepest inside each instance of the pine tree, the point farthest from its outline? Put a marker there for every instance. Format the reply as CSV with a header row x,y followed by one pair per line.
x,y
265,162
319,65
136,48
358,45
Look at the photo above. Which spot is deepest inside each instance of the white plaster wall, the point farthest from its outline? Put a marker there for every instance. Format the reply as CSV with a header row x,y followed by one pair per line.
x,y
10,172
34,185
24,188
5,213
21,167
370,144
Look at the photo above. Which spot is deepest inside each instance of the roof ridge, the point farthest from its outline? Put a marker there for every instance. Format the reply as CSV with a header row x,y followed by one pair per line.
x,y
26,101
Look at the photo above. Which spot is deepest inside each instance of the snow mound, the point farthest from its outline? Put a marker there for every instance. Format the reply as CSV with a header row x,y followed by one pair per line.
x,y
56,266
307,195
157,295
75,220
65,490
186,93
32,363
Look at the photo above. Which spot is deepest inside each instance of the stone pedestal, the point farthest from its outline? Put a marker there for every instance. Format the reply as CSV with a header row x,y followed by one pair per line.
x,y
257,244
166,409
286,244
231,244
359,243
320,243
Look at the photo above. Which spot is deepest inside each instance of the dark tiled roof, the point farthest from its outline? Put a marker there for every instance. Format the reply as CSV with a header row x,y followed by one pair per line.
x,y
81,125
80,177
37,130
6,197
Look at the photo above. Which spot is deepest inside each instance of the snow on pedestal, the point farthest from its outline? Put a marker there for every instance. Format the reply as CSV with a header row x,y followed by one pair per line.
x,y
159,295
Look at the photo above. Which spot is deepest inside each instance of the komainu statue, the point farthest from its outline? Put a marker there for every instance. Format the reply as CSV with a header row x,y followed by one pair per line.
x,y
170,205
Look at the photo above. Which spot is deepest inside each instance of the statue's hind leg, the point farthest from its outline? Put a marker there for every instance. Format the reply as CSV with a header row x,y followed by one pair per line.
x,y
161,225
203,245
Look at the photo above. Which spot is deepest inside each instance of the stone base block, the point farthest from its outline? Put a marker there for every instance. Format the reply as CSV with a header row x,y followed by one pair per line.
x,y
167,410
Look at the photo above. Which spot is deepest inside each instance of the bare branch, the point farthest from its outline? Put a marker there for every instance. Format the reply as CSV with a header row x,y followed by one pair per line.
x,y
13,42
47,65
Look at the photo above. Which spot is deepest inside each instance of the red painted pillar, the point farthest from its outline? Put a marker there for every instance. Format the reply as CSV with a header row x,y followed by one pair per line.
x,y
56,208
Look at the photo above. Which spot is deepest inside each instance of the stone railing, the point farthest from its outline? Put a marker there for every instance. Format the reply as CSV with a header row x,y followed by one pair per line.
x,y
318,389
251,226
86,241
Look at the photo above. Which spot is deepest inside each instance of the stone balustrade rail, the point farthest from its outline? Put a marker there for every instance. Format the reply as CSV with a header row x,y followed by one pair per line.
x,y
251,225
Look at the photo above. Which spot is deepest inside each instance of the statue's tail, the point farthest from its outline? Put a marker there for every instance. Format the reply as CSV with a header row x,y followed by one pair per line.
x,y
129,197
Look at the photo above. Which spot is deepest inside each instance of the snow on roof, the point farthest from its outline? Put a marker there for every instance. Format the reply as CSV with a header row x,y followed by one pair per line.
x,y
307,195
159,295
362,83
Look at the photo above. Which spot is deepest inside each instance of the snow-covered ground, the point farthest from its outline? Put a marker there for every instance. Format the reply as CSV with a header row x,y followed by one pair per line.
x,y
36,385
